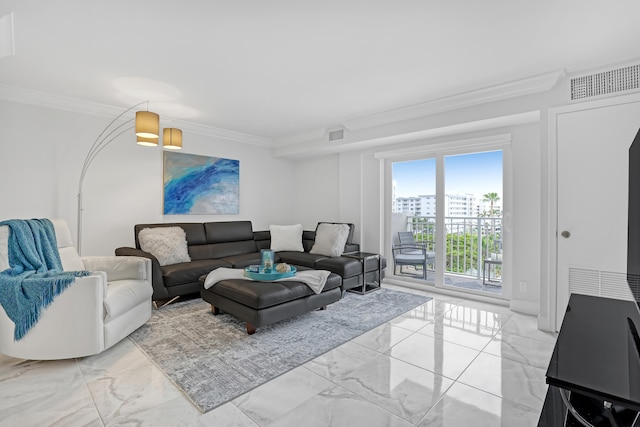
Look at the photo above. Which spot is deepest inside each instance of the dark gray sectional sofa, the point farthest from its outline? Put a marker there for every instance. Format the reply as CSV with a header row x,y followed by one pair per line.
x,y
234,244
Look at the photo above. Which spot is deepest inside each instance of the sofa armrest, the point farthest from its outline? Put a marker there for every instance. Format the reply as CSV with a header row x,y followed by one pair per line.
x,y
157,280
120,267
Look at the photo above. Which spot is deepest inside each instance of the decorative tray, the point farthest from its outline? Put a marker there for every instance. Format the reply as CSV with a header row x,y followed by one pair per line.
x,y
269,276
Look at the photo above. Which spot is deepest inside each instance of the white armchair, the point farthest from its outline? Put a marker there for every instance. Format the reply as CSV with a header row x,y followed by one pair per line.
x,y
92,314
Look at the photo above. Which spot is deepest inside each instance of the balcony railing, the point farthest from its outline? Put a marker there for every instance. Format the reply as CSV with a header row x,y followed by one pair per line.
x,y
469,241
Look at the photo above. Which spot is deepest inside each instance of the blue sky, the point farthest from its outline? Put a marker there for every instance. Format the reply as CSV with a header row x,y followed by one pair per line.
x,y
477,173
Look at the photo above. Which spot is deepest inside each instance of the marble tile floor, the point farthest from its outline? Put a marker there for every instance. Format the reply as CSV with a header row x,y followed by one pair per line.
x,y
451,362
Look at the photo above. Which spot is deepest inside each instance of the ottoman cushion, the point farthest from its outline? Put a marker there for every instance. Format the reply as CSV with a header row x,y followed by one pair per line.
x,y
259,295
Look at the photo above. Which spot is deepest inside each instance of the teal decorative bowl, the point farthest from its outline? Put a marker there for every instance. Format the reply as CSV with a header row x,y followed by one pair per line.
x,y
267,277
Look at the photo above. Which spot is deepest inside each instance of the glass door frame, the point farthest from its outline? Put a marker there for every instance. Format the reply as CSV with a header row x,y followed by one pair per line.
x,y
439,152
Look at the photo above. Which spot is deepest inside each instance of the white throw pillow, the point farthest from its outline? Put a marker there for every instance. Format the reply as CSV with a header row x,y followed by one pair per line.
x,y
168,244
286,238
330,239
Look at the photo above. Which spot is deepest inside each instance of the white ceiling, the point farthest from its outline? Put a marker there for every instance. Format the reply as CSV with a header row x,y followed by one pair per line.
x,y
276,68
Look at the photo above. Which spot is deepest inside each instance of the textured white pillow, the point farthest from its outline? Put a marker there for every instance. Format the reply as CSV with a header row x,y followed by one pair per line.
x,y
286,238
168,244
330,239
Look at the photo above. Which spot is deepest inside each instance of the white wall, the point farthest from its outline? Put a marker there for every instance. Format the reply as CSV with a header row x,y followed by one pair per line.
x,y
41,155
526,229
26,155
316,191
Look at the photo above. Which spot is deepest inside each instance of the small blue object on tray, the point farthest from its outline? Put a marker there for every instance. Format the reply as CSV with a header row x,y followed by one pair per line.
x,y
274,275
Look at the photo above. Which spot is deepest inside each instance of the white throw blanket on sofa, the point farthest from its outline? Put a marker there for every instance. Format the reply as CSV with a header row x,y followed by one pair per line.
x,y
314,279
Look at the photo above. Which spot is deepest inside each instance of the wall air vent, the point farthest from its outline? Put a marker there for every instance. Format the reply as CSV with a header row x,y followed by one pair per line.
x,y
599,283
336,135
605,83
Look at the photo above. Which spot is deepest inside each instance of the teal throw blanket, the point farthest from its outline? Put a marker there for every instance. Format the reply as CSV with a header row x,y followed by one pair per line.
x,y
35,276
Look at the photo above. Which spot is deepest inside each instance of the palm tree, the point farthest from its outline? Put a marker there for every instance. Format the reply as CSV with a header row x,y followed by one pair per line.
x,y
491,198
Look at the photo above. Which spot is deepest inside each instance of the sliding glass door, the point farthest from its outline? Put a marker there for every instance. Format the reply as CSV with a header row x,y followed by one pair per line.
x,y
414,218
473,221
446,220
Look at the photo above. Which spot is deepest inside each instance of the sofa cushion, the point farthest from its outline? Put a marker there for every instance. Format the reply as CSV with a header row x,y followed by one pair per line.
x,y
242,260
189,272
227,249
286,237
330,239
299,258
345,267
308,239
228,231
262,239
167,244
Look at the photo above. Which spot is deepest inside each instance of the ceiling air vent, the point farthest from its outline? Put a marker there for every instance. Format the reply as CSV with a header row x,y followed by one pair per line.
x,y
335,135
605,83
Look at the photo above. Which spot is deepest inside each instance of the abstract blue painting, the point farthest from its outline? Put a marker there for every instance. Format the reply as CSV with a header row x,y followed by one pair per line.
x,y
200,185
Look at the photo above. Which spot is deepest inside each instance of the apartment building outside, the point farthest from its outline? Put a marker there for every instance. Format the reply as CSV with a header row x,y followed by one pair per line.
x,y
455,205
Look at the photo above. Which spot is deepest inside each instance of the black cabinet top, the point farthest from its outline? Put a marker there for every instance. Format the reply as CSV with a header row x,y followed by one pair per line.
x,y
597,351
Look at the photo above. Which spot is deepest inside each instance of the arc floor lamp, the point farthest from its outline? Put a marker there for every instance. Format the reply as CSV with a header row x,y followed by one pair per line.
x,y
147,126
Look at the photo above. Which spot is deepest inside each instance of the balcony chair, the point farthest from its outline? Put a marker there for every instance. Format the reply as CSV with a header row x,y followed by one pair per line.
x,y
494,259
410,252
92,314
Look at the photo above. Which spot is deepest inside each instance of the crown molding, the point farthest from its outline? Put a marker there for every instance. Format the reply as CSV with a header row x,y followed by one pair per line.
x,y
528,86
522,87
74,105
226,134
56,102
311,148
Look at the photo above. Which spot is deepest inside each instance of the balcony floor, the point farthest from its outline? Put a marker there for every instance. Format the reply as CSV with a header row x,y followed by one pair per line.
x,y
456,281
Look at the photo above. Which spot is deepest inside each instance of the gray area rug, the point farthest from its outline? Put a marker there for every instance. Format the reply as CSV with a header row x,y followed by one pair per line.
x,y
213,360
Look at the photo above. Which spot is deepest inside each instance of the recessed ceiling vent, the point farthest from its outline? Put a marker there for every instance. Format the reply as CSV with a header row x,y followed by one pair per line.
x,y
336,135
606,83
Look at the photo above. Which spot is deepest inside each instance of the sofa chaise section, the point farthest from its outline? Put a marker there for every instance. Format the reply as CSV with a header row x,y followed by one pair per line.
x,y
348,268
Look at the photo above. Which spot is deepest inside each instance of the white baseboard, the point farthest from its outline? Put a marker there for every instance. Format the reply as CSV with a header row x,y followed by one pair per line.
x,y
544,324
526,307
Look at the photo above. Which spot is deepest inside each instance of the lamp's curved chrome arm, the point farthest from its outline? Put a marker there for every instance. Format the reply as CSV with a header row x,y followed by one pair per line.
x,y
106,137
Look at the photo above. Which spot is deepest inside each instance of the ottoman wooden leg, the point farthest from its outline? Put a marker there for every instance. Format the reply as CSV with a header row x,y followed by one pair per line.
x,y
215,310
250,329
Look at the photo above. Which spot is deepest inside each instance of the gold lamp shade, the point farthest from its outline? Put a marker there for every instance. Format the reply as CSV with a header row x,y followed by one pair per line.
x,y
147,142
147,124
172,138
